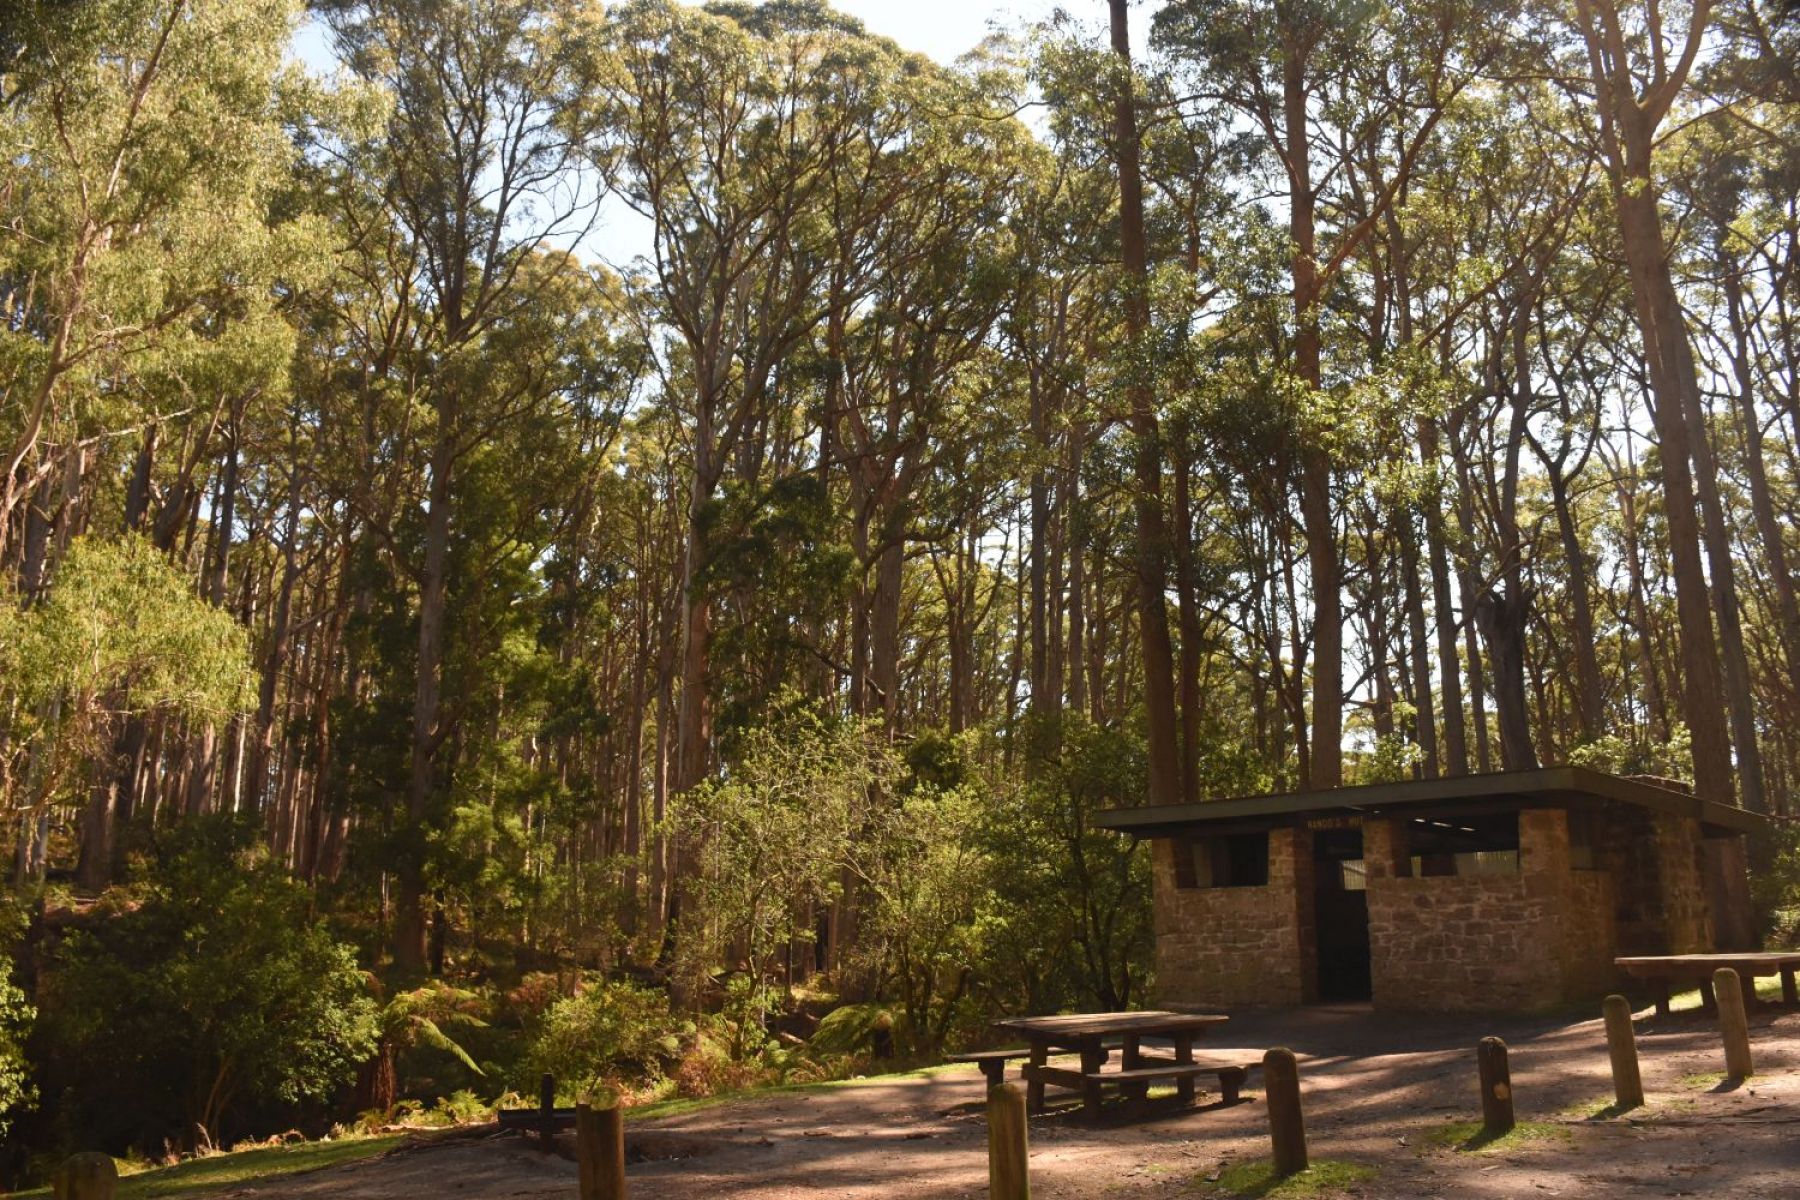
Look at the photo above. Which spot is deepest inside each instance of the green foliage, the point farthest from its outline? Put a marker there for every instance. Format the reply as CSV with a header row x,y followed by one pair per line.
x,y
120,632
1776,890
1068,922
1391,759
1473,1136
852,1029
236,1168
742,1020
144,150
211,991
775,835
16,1089
1620,754
926,867
121,621
418,1018
608,1032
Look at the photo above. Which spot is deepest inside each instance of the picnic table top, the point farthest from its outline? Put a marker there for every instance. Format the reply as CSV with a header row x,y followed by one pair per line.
x,y
1086,1025
1768,960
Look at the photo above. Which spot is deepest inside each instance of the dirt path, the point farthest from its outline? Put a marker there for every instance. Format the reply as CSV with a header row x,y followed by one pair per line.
x,y
1376,1088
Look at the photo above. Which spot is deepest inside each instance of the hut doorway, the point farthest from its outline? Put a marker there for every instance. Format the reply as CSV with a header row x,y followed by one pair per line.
x,y
1340,915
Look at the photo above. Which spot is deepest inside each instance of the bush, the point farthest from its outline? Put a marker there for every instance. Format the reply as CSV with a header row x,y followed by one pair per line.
x,y
217,992
855,1029
1067,920
610,1032
15,1073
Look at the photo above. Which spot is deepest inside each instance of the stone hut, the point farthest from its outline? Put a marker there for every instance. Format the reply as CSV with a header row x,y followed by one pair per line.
x,y
1510,891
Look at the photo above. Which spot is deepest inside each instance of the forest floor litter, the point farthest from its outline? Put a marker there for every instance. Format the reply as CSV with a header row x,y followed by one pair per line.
x,y
1394,1093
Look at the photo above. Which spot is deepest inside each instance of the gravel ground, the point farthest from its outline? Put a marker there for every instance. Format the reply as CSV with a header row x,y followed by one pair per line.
x,y
1378,1090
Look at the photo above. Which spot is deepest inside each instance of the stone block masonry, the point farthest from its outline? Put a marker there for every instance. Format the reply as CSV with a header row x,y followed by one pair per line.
x,y
1590,885
1493,942
1236,946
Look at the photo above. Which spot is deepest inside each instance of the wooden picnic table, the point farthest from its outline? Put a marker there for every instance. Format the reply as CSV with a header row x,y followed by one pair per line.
x,y
1663,969
1087,1035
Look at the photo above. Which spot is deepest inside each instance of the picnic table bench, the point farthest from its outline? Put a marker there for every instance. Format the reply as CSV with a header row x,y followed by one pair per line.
x,y
1093,1035
993,1062
1661,970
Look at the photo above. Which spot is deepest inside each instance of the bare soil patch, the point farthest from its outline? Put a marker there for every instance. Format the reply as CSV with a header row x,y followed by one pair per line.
x,y
1381,1091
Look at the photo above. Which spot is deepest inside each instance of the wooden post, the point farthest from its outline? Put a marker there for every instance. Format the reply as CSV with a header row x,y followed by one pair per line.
x,y
88,1176
600,1151
1184,1053
1287,1128
1496,1086
547,1111
1733,1026
1621,1043
1009,1172
1093,1057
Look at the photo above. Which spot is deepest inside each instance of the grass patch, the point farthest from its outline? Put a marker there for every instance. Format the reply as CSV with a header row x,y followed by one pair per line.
x,y
1473,1137
197,1175
1325,1176
1703,1081
1601,1109
1767,988
687,1104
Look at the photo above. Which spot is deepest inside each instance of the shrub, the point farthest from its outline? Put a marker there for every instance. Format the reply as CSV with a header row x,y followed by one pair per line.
x,y
708,1069
217,991
15,1073
609,1032
855,1029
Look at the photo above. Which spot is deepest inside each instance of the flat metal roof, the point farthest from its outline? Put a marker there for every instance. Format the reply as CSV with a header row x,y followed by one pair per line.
x,y
1558,786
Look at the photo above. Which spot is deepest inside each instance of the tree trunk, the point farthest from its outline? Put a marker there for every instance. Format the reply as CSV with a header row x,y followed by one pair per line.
x,y
1316,516
1762,503
1628,129
409,935
1589,706
1152,538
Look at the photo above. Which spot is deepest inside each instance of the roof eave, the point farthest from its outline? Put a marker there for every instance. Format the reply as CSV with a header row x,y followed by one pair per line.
x,y
1554,785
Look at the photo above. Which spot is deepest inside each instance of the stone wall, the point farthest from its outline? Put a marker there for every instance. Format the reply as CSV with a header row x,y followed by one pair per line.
x,y
1523,942
1237,946
1725,868
1659,897
1685,914
1589,936
1495,942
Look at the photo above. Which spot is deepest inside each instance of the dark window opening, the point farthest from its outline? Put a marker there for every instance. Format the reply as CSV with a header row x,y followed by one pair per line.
x,y
1462,846
1584,839
1223,861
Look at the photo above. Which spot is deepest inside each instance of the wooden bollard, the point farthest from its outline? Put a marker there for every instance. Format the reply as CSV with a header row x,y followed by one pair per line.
x,y
600,1151
1496,1086
88,1176
547,1111
1621,1044
1733,1026
1281,1095
1009,1172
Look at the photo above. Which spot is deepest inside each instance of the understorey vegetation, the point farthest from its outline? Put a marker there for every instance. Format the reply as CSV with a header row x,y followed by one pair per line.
x,y
632,542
